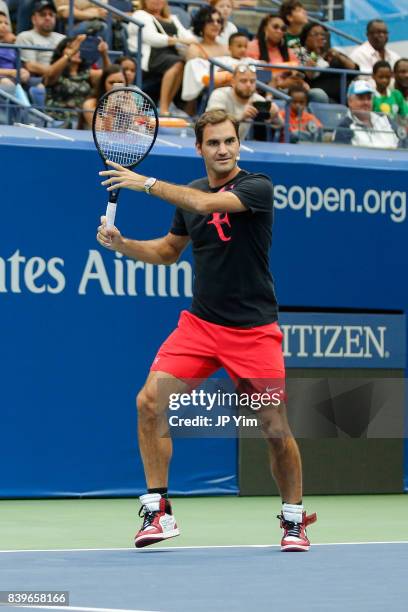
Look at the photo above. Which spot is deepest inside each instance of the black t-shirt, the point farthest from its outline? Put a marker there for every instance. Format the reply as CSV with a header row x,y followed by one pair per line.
x,y
233,285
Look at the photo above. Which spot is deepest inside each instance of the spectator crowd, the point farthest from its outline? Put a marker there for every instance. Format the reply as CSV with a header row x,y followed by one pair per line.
x,y
70,73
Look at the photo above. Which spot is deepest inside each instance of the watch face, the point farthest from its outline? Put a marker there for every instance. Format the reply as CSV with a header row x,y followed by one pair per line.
x,y
149,184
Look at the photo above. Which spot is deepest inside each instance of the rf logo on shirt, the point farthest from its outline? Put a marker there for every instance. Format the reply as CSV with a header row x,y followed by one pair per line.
x,y
218,220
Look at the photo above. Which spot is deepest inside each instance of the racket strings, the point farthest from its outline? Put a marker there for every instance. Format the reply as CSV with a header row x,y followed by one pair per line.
x,y
125,127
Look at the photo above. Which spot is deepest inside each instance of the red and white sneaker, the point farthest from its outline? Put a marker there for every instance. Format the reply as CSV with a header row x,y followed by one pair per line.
x,y
294,533
159,522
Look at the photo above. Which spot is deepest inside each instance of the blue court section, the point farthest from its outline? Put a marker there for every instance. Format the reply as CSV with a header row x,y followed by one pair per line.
x,y
79,326
364,578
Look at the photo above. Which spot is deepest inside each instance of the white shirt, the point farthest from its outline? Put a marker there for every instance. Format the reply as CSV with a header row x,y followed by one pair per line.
x,y
31,37
380,135
228,30
153,35
225,99
366,56
4,9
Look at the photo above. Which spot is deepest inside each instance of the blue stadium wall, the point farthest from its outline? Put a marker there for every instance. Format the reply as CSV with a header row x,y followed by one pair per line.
x,y
78,332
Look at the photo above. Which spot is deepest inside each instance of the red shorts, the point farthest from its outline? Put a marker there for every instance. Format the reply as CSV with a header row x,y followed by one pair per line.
x,y
197,349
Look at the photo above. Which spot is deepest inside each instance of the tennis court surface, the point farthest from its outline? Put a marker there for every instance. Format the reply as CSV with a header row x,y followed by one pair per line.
x,y
184,576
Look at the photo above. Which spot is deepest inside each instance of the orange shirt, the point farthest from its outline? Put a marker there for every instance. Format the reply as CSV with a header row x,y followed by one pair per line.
x,y
297,123
275,56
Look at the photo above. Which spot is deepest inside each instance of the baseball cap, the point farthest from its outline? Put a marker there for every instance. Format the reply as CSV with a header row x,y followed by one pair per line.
x,y
40,5
359,87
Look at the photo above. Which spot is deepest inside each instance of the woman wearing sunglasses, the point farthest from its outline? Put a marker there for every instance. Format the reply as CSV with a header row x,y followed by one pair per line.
x,y
316,51
270,43
270,46
207,26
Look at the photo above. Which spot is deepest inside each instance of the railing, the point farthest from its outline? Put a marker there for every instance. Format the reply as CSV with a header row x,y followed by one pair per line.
x,y
13,103
19,48
114,11
251,9
341,72
325,25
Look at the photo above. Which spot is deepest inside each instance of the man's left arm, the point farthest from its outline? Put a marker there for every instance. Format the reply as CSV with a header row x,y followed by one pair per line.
x,y
187,198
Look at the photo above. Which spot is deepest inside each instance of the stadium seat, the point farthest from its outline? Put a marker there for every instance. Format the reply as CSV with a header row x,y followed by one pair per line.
x,y
263,75
122,5
329,114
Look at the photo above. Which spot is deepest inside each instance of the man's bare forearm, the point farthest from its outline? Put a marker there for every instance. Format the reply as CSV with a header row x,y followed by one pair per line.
x,y
36,68
186,198
149,251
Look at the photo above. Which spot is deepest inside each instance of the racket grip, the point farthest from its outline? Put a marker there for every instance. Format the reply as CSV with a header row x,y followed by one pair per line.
x,y
110,215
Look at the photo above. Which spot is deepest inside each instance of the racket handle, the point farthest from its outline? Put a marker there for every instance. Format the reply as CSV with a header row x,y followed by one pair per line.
x,y
110,215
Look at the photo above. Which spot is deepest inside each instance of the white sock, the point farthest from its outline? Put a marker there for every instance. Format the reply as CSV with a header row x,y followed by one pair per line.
x,y
292,512
151,501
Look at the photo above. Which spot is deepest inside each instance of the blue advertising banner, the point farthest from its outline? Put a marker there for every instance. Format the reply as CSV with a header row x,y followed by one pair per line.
x,y
80,325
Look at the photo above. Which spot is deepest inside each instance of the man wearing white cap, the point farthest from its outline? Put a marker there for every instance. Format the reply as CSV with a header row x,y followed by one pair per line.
x,y
361,127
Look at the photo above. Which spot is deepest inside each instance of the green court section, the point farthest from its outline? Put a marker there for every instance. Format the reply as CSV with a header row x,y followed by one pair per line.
x,y
111,523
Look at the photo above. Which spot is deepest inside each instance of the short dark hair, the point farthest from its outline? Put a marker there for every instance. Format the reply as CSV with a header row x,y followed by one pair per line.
x,y
307,28
298,89
100,87
125,58
202,17
4,15
381,64
398,62
287,7
237,35
372,22
213,117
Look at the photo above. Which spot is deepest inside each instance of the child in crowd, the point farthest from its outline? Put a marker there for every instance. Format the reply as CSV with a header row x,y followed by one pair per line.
x,y
8,64
238,45
302,125
128,66
385,100
197,73
295,17
224,7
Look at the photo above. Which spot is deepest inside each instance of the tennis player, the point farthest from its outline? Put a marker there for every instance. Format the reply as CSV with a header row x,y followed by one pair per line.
x,y
232,323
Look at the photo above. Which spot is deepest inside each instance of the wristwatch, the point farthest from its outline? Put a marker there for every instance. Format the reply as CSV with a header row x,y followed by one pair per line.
x,y
149,184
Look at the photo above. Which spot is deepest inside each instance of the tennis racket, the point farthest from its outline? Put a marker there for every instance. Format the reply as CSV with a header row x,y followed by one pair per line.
x,y
124,129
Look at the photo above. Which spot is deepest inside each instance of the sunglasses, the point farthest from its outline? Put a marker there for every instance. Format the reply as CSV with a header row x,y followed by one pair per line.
x,y
211,20
245,67
278,27
316,34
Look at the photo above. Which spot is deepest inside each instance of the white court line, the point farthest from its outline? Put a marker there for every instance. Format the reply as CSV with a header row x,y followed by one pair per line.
x,y
44,131
204,547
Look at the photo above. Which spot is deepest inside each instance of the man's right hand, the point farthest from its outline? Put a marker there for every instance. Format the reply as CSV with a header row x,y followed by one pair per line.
x,y
111,238
250,112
